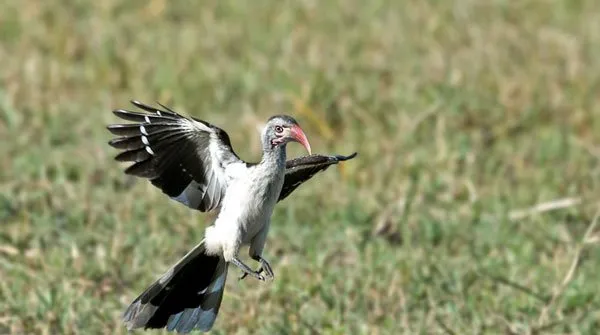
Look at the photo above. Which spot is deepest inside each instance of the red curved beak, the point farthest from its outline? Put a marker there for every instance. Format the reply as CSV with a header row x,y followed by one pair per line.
x,y
298,135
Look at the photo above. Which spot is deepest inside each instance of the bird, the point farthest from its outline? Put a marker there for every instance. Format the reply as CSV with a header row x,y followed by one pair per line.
x,y
192,161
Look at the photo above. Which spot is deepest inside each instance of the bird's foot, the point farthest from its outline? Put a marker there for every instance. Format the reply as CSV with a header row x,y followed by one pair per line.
x,y
264,266
254,274
247,270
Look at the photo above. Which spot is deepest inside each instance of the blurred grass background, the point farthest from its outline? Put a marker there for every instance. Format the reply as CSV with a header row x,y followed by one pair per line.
x,y
469,209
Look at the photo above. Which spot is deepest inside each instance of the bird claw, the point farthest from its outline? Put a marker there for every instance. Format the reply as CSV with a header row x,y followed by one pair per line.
x,y
247,270
255,274
264,267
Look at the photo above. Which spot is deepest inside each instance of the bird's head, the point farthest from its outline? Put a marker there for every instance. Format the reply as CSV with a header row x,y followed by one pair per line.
x,y
281,129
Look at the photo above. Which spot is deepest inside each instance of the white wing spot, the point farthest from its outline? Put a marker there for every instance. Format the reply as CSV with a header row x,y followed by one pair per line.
x,y
143,130
150,151
158,113
145,140
147,119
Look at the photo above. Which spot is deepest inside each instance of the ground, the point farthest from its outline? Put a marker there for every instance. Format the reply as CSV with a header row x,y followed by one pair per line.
x,y
469,209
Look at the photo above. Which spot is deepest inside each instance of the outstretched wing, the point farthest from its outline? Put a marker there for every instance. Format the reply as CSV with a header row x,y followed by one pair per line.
x,y
301,169
187,158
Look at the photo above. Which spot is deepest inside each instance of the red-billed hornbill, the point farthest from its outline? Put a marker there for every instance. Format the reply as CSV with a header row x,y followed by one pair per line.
x,y
192,161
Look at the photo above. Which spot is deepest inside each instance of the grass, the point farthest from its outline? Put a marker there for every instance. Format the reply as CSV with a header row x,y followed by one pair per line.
x,y
466,116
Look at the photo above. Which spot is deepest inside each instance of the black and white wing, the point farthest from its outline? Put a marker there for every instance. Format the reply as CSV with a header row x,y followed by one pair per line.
x,y
301,169
185,157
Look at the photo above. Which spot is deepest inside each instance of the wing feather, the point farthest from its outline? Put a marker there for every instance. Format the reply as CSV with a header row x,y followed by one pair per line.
x,y
185,157
299,170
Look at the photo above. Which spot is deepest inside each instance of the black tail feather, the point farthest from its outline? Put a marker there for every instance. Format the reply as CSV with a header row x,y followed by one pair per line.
x,y
187,296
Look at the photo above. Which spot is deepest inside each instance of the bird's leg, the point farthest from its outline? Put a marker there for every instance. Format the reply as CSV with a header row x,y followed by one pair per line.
x,y
256,248
247,270
264,266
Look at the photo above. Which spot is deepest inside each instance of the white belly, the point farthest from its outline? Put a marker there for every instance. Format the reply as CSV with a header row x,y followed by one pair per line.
x,y
247,207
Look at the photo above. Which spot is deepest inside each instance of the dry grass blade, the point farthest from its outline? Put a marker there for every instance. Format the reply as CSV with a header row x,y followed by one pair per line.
x,y
544,207
560,289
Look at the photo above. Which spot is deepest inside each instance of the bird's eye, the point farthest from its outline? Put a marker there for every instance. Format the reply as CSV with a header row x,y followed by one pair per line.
x,y
278,129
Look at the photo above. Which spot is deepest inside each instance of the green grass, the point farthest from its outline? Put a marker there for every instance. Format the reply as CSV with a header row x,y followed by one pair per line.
x,y
463,113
